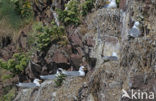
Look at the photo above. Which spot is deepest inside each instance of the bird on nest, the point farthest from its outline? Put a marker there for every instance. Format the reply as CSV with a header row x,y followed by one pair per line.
x,y
35,83
135,32
82,72
114,57
110,4
52,76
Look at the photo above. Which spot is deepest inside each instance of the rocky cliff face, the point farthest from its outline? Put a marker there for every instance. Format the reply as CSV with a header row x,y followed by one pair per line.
x,y
103,32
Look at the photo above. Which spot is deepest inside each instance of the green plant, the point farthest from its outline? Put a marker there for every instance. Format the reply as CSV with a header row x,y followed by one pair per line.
x,y
71,14
87,7
43,37
47,34
7,11
16,64
23,8
59,80
16,12
9,95
7,76
118,1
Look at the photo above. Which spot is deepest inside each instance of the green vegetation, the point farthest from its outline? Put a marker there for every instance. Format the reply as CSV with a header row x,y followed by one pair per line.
x,y
71,14
6,76
9,95
16,12
118,1
46,34
74,10
23,8
87,7
59,80
16,64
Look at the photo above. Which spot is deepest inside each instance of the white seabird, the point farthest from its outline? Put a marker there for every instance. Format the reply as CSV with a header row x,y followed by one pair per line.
x,y
51,77
36,83
81,72
114,57
135,31
111,4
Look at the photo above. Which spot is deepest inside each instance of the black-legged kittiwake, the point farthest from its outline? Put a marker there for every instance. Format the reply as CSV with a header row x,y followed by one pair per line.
x,y
82,72
114,57
36,83
111,4
135,31
51,77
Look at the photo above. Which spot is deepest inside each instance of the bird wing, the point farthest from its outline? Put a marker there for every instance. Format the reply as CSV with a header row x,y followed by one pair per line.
x,y
110,58
72,73
113,58
48,77
26,85
105,58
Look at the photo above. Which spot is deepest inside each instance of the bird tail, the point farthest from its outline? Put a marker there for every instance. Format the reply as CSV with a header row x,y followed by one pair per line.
x,y
42,77
18,84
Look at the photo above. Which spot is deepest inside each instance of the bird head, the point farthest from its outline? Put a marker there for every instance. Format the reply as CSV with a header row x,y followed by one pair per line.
x,y
37,82
83,69
114,54
137,24
60,71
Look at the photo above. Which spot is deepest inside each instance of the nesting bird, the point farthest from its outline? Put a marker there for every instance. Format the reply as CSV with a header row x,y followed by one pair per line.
x,y
51,77
36,83
135,31
82,72
111,4
114,57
